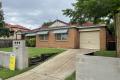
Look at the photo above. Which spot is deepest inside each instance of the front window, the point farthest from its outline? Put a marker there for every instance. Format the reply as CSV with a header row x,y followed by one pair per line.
x,y
44,37
61,36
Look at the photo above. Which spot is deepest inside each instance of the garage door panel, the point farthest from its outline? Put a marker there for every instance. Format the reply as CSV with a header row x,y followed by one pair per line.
x,y
90,40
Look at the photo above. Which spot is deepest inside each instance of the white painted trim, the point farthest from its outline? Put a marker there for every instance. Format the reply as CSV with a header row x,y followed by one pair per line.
x,y
31,34
61,31
43,32
90,29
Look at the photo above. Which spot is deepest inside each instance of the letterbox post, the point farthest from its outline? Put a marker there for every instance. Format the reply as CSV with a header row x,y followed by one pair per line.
x,y
20,52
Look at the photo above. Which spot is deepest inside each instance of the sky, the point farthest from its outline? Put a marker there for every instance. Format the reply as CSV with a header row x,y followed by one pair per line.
x,y
33,13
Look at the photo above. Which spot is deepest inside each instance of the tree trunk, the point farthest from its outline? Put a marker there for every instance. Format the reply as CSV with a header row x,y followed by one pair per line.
x,y
117,24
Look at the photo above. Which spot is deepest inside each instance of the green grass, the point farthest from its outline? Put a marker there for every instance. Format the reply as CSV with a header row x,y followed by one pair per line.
x,y
71,77
6,49
33,52
5,73
38,51
106,53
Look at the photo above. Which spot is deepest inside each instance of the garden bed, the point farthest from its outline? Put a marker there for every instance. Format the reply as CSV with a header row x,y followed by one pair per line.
x,y
104,53
41,58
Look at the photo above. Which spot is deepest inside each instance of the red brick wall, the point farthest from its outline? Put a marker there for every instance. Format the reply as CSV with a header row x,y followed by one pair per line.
x,y
103,38
71,42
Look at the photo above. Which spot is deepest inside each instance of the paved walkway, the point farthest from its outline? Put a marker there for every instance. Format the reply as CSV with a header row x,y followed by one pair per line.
x,y
57,68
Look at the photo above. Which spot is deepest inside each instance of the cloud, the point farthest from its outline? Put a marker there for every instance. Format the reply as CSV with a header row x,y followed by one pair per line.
x,y
32,13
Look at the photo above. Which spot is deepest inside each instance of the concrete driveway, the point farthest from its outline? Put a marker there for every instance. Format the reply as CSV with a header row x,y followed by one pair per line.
x,y
57,68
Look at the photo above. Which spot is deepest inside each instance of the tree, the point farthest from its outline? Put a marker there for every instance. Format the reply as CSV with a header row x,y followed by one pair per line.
x,y
47,23
93,10
97,11
4,32
117,24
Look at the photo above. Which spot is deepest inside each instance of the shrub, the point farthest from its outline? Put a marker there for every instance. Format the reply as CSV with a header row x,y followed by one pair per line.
x,y
31,42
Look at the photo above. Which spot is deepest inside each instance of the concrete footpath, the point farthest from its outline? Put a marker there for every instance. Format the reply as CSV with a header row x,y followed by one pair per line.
x,y
57,68
97,68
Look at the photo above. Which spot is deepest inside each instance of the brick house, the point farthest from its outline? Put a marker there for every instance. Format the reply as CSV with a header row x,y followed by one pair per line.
x,y
63,35
16,31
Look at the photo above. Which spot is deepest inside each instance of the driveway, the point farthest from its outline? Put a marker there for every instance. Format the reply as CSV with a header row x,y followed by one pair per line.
x,y
57,68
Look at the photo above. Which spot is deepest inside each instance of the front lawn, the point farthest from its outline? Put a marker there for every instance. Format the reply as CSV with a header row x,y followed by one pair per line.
x,y
71,77
6,73
106,53
33,52
6,49
38,51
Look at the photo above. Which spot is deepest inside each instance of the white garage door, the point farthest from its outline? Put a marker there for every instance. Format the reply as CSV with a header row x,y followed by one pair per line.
x,y
90,40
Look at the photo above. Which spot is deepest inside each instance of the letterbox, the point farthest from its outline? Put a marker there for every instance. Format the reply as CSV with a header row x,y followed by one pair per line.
x,y
20,51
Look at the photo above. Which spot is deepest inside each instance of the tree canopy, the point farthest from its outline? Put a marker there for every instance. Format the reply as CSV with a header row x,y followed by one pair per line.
x,y
93,10
4,32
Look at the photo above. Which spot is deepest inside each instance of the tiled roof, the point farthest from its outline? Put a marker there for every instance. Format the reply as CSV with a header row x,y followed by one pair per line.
x,y
16,27
61,22
88,24
35,30
45,27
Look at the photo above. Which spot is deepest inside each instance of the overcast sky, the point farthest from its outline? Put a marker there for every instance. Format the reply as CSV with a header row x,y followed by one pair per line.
x,y
32,13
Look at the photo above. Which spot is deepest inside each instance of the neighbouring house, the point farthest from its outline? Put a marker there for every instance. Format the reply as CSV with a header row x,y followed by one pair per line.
x,y
32,33
16,31
63,35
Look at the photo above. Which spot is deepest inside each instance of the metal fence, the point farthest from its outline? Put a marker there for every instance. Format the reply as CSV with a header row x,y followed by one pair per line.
x,y
5,43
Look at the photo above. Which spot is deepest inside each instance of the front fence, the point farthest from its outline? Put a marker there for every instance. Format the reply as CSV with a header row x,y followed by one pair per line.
x,y
5,43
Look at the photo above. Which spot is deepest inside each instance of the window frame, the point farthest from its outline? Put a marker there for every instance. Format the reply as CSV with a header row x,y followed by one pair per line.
x,y
61,35
45,37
